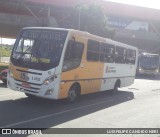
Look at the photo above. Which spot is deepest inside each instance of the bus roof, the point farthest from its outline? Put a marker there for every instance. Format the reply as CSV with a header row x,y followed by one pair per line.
x,y
52,28
145,54
106,40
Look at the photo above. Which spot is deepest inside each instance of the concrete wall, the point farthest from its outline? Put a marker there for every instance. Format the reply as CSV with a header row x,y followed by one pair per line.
x,y
10,24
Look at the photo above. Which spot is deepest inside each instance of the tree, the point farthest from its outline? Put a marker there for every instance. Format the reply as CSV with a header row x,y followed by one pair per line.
x,y
91,18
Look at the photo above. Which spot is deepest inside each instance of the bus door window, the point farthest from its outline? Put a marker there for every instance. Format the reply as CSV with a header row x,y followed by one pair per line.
x,y
93,50
73,55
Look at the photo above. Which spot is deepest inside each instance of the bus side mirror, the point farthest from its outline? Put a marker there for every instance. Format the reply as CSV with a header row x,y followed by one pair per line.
x,y
64,68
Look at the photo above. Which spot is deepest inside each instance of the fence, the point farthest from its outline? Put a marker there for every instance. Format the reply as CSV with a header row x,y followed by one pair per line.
x,y
4,59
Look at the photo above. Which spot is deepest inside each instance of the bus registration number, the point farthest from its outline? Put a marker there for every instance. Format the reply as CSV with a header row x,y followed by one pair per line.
x,y
26,85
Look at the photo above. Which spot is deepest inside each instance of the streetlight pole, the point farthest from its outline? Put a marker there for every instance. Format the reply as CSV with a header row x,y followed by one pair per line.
x,y
79,19
79,16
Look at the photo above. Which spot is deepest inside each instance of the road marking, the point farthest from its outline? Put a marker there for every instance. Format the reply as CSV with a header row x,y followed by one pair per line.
x,y
51,115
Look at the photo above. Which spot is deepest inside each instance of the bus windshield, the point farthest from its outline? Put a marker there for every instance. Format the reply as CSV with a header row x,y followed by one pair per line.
x,y
39,49
151,62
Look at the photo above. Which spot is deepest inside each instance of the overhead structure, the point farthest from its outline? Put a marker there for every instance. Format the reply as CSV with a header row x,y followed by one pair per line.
x,y
134,25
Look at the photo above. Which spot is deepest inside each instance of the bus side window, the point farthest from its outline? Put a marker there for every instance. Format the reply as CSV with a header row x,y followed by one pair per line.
x,y
93,50
73,55
120,55
107,53
131,56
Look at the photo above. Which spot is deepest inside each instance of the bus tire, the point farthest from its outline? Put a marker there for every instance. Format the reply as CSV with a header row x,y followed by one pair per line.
x,y
29,95
116,86
73,93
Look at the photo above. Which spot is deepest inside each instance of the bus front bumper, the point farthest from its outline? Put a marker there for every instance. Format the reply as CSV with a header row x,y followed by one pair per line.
x,y
148,72
43,91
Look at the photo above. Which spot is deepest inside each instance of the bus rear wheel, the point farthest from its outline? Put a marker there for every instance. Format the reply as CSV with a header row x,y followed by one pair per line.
x,y
116,86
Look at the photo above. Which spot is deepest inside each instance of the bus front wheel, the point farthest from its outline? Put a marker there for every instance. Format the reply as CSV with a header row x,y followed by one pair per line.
x,y
29,95
73,93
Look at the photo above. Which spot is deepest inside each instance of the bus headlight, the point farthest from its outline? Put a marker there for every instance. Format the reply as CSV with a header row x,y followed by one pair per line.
x,y
48,80
49,92
157,70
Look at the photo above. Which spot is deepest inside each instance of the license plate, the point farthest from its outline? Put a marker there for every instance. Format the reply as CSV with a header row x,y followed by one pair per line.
x,y
26,85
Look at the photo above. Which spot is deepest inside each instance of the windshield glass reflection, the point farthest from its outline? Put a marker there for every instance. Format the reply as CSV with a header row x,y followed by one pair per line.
x,y
39,48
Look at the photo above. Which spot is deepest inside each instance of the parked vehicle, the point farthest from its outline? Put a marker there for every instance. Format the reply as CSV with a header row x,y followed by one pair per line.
x,y
148,64
3,75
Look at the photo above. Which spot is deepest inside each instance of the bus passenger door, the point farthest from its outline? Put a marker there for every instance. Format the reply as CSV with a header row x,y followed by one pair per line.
x,y
73,66
90,71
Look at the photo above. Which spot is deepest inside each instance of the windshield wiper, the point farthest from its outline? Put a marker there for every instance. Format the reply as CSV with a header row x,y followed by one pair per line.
x,y
22,55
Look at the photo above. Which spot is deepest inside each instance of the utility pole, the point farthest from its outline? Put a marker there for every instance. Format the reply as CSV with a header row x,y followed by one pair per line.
x,y
79,19
79,16
1,51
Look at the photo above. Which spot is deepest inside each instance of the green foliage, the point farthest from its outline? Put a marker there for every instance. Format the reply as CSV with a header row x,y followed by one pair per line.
x,y
93,20
5,51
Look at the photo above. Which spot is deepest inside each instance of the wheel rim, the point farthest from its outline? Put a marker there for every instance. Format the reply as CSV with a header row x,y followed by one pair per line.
x,y
116,87
72,94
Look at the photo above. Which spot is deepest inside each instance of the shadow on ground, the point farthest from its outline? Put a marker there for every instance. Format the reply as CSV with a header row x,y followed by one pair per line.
x,y
148,77
41,113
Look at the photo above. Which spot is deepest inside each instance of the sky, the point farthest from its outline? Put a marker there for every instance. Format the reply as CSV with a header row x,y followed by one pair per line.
x,y
155,4
7,41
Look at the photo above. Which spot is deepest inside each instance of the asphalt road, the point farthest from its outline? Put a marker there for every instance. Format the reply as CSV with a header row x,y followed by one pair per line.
x,y
136,106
